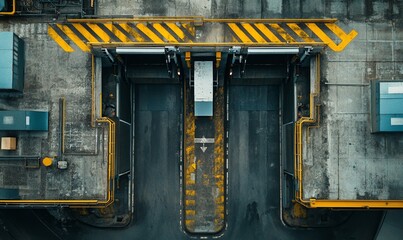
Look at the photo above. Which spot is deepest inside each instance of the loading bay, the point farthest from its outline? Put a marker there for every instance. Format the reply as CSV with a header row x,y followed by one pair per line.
x,y
212,121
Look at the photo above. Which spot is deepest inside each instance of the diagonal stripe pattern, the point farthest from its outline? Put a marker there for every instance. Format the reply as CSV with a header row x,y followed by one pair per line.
x,y
271,32
82,34
301,33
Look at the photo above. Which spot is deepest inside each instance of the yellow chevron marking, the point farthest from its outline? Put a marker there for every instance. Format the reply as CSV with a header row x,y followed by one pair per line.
x,y
267,33
85,32
59,40
164,33
300,32
282,33
239,33
105,37
254,33
345,38
132,32
73,37
149,33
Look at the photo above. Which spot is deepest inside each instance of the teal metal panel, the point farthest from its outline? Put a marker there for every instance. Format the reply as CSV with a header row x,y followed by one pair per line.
x,y
391,123
12,62
10,194
203,109
7,40
2,5
6,78
24,120
391,106
387,106
12,120
36,121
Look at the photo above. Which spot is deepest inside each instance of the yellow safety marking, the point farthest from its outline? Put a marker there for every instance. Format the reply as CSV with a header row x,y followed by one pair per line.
x,y
176,30
253,32
282,33
239,33
190,222
220,199
190,212
267,32
73,37
190,193
217,59
85,32
322,35
300,32
190,28
149,33
105,37
59,40
187,59
345,38
164,33
122,37
132,32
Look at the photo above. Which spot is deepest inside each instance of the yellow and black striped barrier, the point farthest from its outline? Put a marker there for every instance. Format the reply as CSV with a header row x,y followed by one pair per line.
x,y
85,33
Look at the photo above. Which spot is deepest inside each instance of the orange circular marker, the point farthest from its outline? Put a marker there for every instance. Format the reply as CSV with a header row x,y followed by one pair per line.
x,y
47,161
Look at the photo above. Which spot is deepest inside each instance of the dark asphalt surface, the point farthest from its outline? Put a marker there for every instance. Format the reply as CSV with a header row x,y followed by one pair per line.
x,y
253,206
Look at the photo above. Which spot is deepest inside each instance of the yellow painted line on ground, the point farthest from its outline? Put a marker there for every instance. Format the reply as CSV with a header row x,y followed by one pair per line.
x,y
164,33
149,33
239,33
267,32
190,202
282,32
73,37
85,32
59,40
301,33
190,193
105,37
190,212
132,32
254,33
189,223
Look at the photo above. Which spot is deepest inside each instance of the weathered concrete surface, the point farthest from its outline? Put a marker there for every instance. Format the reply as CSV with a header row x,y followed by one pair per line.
x,y
51,74
344,160
345,10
